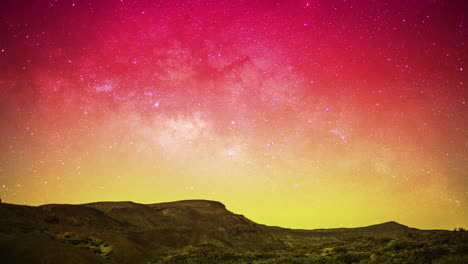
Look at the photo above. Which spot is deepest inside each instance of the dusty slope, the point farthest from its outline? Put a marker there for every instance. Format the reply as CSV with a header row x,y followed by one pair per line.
x,y
127,232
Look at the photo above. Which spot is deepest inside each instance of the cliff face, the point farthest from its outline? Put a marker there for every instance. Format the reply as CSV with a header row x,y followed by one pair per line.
x,y
127,232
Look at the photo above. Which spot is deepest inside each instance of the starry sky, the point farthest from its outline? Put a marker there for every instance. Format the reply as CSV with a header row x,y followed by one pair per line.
x,y
302,114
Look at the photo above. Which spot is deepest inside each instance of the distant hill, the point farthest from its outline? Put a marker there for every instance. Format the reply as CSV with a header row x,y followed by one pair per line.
x,y
127,232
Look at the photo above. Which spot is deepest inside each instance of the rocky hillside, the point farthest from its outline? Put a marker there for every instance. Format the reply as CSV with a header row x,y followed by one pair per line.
x,y
127,232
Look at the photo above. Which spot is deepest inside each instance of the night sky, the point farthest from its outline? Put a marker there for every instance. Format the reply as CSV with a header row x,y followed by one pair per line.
x,y
302,114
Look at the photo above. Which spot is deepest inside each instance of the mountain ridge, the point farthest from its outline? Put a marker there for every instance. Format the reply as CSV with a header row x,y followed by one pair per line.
x,y
128,232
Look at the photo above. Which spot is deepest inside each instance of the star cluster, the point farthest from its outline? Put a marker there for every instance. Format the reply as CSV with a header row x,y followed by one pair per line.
x,y
295,113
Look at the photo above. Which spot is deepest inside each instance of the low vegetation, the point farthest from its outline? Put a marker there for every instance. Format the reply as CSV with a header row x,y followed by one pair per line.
x,y
435,248
95,245
205,232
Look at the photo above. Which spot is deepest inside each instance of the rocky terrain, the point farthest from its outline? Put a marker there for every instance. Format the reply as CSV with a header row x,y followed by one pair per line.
x,y
201,231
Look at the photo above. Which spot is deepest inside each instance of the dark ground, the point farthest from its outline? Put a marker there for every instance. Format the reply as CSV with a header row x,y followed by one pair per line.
x,y
203,232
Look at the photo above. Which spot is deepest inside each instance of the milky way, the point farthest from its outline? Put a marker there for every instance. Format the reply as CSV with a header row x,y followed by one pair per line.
x,y
295,113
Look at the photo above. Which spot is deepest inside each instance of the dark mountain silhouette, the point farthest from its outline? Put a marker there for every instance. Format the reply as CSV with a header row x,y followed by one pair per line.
x,y
127,232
